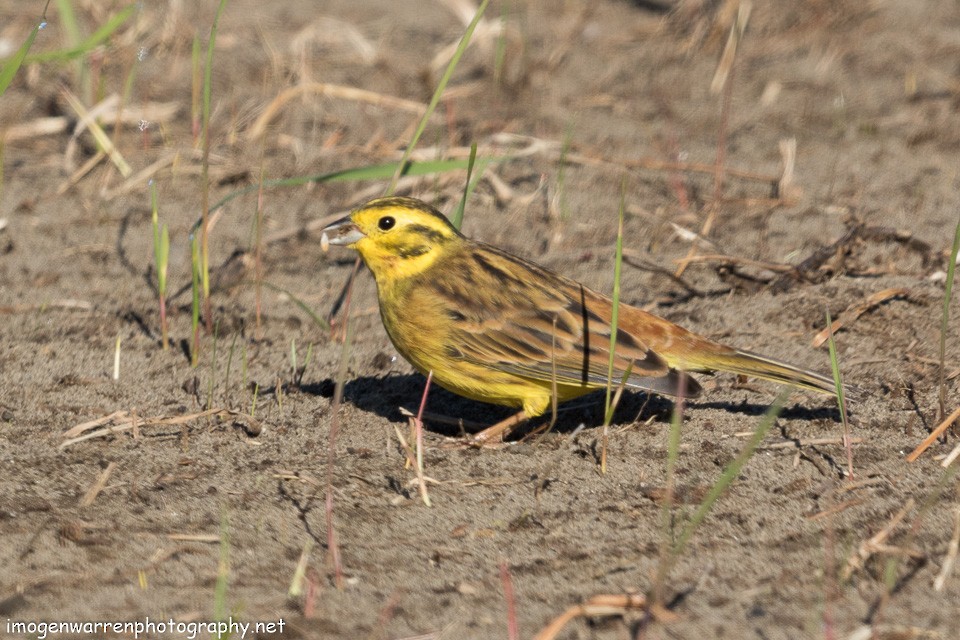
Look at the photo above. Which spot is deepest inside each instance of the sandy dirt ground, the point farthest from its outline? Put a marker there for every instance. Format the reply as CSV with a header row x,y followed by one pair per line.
x,y
588,100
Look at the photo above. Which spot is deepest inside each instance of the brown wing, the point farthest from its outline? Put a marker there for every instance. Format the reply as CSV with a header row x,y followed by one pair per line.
x,y
541,326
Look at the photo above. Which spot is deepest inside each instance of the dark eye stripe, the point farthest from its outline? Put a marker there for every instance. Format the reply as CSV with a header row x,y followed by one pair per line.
x,y
430,234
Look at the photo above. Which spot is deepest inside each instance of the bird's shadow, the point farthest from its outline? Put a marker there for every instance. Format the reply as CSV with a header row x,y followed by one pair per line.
x,y
386,395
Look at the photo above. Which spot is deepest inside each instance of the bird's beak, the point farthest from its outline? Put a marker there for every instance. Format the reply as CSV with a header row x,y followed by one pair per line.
x,y
343,232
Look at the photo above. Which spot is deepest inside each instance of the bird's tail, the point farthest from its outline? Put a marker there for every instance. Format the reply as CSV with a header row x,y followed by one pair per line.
x,y
759,366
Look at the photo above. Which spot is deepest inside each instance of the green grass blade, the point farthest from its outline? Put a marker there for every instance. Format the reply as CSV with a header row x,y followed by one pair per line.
x,y
17,60
164,259
195,307
161,241
207,82
208,70
841,399
944,323
500,55
435,100
481,167
458,214
834,364
730,473
195,86
99,37
617,264
667,557
68,19
608,415
671,553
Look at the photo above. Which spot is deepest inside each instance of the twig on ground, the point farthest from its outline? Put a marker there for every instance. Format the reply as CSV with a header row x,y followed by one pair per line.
x,y
124,421
854,311
936,433
816,260
602,605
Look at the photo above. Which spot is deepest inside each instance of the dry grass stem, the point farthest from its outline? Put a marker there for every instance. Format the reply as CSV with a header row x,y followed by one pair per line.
x,y
654,164
570,35
835,509
877,543
788,191
194,537
953,455
936,433
737,30
442,419
297,476
787,444
523,146
512,146
137,180
325,29
88,120
116,358
951,558
411,461
894,632
690,236
79,174
97,486
776,267
408,185
67,303
855,311
417,424
124,421
602,605
109,111
299,574
35,129
331,91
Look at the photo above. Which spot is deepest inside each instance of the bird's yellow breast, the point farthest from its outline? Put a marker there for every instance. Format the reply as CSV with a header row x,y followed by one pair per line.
x,y
420,327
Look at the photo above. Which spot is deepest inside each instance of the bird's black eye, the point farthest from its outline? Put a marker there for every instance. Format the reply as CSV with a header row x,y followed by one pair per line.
x,y
386,223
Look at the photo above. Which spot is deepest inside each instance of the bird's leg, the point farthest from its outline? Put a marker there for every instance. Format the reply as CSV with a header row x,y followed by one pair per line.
x,y
498,431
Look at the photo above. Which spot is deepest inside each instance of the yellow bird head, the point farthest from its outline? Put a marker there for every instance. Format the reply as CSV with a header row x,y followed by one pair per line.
x,y
396,237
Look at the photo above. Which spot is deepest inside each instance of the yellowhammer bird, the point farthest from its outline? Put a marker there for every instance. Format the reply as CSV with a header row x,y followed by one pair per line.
x,y
497,328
